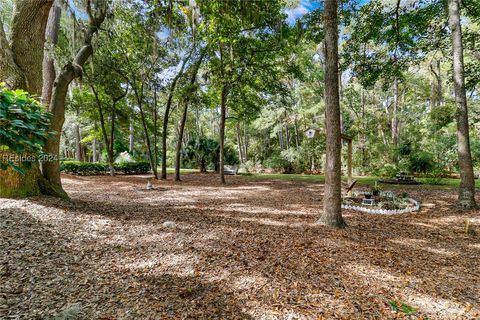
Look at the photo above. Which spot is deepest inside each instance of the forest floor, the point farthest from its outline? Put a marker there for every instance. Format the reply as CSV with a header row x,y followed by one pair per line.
x,y
247,250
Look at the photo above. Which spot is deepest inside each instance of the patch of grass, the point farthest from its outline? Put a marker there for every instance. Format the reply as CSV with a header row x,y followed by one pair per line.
x,y
172,170
446,183
402,307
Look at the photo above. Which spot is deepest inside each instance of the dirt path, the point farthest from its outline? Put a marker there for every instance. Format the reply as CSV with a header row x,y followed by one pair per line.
x,y
249,250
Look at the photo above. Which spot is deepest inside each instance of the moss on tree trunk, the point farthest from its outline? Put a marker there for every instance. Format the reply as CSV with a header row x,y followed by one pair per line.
x,y
15,185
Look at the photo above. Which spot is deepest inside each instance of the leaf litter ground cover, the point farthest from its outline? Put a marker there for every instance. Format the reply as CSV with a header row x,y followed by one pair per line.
x,y
248,250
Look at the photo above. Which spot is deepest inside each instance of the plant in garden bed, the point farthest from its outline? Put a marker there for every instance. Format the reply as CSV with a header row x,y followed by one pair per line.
x,y
384,200
375,189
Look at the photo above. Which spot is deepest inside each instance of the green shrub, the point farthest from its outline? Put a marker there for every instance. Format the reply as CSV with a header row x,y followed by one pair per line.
x,y
99,168
387,170
84,168
24,125
132,167
435,177
421,162
278,163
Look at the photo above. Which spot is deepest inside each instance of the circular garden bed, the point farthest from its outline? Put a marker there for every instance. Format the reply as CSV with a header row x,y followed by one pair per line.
x,y
382,203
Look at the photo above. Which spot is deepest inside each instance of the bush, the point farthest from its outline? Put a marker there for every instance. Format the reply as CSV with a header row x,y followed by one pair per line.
x,y
132,167
24,125
84,168
388,170
421,162
99,168
278,163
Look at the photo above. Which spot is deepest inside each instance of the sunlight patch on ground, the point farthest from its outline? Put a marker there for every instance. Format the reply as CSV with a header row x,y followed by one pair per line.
x,y
249,282
422,245
421,224
447,309
244,208
141,264
370,272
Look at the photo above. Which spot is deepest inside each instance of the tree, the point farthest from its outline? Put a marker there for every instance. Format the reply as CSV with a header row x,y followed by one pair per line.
x,y
190,90
97,11
21,68
332,211
466,192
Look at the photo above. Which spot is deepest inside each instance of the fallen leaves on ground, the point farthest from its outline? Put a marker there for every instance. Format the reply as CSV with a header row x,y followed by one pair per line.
x,y
247,250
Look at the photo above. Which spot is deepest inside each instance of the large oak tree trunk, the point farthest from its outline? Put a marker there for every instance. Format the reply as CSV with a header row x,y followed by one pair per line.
x,y
21,68
466,192
332,212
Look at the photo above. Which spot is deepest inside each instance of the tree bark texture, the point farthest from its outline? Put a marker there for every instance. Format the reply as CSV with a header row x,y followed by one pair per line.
x,y
466,192
332,212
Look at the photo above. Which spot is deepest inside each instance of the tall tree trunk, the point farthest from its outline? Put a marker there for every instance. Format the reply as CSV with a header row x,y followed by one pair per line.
x,y
131,139
332,212
51,38
436,88
112,141
167,115
193,79
466,192
21,62
78,145
94,150
395,113
155,129
223,112
52,183
239,143
178,151
364,130
21,68
245,142
297,136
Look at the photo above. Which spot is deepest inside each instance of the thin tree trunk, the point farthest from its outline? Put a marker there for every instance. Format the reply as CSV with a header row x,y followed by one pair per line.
x,y
51,38
364,130
131,139
245,142
167,115
223,112
466,192
78,145
395,113
297,136
155,130
94,150
332,212
108,141
112,141
239,143
178,155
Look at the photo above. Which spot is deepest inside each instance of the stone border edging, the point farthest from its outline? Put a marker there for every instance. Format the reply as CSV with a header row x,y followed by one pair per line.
x,y
416,207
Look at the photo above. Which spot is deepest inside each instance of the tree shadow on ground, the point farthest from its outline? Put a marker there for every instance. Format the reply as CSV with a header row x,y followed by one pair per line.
x,y
44,270
423,259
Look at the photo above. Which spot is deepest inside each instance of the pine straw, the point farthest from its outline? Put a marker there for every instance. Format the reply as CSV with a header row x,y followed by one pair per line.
x,y
248,250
